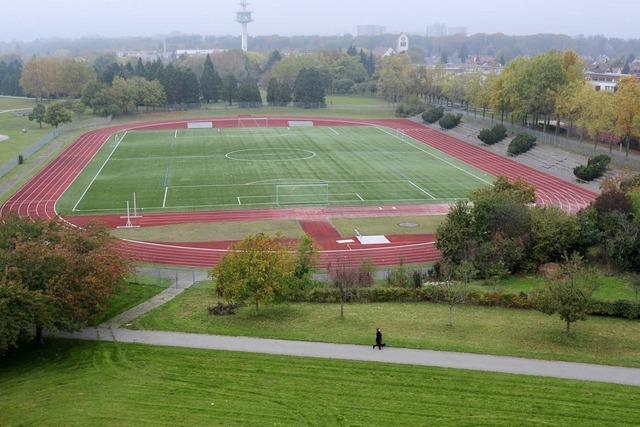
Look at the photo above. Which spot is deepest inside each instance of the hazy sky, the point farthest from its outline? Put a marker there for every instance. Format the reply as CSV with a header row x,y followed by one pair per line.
x,y
30,19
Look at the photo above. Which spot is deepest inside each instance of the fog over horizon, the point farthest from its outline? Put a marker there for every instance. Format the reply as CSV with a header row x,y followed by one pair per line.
x,y
32,19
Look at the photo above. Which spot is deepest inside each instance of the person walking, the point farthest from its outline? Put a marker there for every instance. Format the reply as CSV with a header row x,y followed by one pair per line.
x,y
379,342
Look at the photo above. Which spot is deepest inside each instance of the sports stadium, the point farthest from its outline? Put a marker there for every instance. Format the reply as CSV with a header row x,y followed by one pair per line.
x,y
247,168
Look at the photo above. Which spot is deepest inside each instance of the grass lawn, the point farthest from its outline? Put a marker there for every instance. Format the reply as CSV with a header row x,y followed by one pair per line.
x,y
427,224
477,329
612,288
211,231
87,383
246,168
132,295
11,124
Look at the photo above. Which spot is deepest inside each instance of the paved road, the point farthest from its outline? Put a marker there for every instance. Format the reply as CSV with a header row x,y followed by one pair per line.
x,y
510,365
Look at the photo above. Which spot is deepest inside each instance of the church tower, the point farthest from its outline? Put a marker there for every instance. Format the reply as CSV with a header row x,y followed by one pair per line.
x,y
403,44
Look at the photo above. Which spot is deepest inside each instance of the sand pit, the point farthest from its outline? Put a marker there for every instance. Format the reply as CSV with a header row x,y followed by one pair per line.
x,y
3,138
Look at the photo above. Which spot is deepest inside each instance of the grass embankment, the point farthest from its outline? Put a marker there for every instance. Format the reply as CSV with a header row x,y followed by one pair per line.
x,y
427,224
89,383
12,124
211,231
422,325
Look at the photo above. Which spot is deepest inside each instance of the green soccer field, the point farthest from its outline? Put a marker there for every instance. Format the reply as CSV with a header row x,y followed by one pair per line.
x,y
250,168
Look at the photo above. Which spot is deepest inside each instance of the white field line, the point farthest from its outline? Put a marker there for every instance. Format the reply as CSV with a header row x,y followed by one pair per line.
x,y
222,205
360,197
86,190
421,189
176,134
434,156
239,201
334,131
164,201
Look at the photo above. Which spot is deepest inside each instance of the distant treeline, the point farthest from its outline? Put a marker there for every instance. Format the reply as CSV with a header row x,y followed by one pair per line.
x,y
498,45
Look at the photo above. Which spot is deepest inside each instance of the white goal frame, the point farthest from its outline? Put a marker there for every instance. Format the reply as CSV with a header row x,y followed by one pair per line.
x,y
286,195
256,122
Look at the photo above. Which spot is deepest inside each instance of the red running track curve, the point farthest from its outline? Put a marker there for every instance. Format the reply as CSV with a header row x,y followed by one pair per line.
x,y
38,198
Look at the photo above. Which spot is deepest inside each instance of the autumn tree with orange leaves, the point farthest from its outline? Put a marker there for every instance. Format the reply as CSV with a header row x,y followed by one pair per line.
x,y
54,277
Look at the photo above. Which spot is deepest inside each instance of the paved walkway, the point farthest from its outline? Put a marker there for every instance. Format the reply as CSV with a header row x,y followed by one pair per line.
x,y
443,359
182,280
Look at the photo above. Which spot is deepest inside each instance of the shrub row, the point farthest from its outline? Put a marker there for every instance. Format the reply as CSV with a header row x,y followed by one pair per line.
x,y
411,106
450,121
521,144
595,168
493,135
435,294
433,115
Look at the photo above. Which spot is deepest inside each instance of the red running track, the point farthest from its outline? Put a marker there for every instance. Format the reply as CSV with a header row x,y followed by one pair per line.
x,y
37,198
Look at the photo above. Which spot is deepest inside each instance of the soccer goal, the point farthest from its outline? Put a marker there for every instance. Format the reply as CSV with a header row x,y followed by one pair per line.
x,y
302,194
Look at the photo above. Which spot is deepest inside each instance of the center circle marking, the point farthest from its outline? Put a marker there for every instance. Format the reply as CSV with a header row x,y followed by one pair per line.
x,y
270,155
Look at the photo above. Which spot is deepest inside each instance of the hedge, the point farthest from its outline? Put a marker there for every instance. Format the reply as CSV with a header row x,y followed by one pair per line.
x,y
594,169
521,144
493,135
433,115
435,294
411,106
450,121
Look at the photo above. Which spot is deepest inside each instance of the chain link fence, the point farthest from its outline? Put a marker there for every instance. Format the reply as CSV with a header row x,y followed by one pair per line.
x,y
169,277
45,140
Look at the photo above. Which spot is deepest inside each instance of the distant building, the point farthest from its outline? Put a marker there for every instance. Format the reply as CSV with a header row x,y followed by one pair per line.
x,y
402,46
457,31
605,82
146,56
436,30
196,52
370,30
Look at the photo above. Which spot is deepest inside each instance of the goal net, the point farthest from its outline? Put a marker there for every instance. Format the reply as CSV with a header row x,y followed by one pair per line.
x,y
302,194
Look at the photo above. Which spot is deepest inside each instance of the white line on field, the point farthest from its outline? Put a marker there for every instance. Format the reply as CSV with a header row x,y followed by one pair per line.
x,y
421,189
239,201
164,202
334,131
176,134
360,197
99,170
434,156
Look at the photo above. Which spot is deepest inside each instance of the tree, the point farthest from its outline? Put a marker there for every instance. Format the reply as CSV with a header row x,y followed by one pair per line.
x,y
249,94
570,294
273,92
627,101
61,277
210,82
454,291
634,284
344,276
553,234
38,114
258,269
56,115
456,235
229,88
39,77
309,89
306,259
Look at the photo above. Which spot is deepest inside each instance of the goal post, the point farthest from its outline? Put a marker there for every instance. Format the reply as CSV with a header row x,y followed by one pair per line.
x,y
302,194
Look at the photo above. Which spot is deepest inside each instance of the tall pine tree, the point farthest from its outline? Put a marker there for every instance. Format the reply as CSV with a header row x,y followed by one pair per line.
x,y
249,94
309,89
210,82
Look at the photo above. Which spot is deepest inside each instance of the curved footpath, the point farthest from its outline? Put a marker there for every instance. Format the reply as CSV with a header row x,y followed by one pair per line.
x,y
39,196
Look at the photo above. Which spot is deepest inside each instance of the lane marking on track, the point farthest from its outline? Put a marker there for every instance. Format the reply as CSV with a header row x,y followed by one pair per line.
x,y
421,189
99,171
433,155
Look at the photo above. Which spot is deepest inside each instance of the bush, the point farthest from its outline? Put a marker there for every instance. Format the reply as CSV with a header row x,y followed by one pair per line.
x,y
521,144
622,309
223,309
493,135
433,115
450,121
595,168
411,106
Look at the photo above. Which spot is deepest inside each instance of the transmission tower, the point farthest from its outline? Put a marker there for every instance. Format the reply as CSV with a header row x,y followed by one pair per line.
x,y
244,17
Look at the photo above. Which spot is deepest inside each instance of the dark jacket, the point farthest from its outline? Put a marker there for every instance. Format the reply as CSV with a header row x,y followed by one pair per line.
x,y
378,336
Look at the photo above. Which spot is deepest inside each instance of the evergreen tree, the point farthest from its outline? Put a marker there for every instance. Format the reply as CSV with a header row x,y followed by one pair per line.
x,y
210,82
154,70
249,94
128,71
352,51
190,87
38,114
140,70
273,92
229,88
371,64
463,53
309,89
284,94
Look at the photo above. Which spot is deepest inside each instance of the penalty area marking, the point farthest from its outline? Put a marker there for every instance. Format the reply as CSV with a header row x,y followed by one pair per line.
x,y
334,131
86,190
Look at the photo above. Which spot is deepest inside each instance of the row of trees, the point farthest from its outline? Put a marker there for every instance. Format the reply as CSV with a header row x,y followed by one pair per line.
x,y
10,73
53,277
54,77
